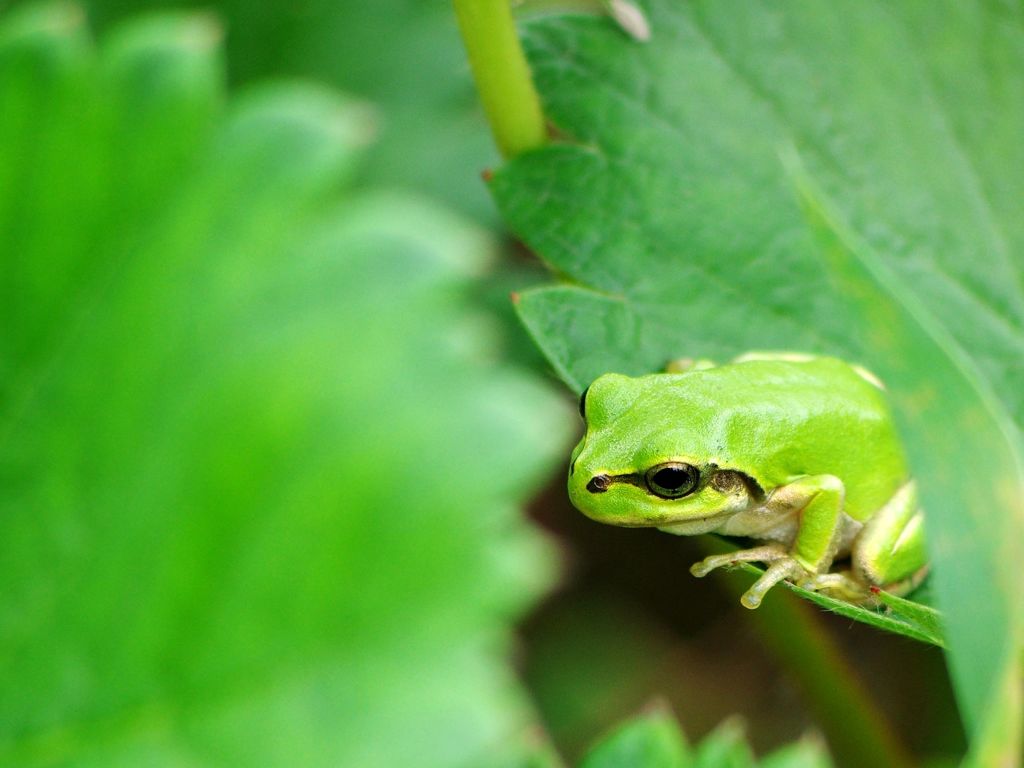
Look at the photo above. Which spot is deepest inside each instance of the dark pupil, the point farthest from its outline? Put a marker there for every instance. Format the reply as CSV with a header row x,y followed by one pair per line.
x,y
671,478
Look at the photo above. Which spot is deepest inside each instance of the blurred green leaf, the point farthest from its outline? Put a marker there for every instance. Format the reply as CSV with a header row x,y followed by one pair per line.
x,y
806,753
403,55
679,232
531,750
260,465
725,747
652,740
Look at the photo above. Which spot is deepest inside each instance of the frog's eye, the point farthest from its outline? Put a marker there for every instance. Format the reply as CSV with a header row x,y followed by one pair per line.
x,y
583,404
672,480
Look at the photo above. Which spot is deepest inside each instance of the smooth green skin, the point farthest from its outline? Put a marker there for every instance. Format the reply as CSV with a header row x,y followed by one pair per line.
x,y
799,451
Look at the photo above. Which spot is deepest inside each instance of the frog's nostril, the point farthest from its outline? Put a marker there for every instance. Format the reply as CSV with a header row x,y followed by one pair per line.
x,y
599,484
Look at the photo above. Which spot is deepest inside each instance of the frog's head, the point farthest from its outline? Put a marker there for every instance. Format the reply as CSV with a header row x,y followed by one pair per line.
x,y
644,459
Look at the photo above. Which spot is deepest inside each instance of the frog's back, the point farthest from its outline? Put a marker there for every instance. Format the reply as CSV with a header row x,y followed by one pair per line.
x,y
776,420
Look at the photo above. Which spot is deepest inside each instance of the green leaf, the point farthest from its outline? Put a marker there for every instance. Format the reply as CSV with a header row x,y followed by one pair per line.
x,y
984,448
533,751
806,753
921,617
678,230
652,740
259,466
403,55
896,614
905,617
725,747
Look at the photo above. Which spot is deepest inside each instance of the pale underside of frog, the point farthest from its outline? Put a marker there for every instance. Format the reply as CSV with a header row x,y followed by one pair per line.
x,y
797,451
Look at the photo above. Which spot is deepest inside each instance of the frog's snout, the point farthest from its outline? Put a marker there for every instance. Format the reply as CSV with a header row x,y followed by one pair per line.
x,y
599,483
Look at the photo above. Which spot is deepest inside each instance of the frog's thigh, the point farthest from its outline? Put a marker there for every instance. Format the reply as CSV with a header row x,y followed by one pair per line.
x,y
890,548
820,520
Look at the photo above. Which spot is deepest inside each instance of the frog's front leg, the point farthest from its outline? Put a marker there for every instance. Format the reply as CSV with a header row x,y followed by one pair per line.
x,y
818,504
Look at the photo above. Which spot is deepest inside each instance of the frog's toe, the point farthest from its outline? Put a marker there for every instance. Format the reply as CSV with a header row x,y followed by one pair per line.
x,y
787,568
708,564
766,554
702,569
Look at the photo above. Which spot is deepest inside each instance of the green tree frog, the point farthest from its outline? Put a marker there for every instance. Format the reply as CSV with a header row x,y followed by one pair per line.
x,y
798,452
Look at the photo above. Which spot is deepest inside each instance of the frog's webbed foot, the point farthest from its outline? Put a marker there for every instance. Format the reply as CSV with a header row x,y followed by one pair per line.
x,y
781,565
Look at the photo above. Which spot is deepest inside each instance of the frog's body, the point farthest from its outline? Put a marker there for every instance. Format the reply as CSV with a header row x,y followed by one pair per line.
x,y
799,451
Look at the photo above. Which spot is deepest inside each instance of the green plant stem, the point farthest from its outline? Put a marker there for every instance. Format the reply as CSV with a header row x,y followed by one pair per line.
x,y
856,731
502,75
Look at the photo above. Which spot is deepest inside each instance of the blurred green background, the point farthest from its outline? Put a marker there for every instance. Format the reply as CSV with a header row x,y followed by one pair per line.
x,y
281,476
